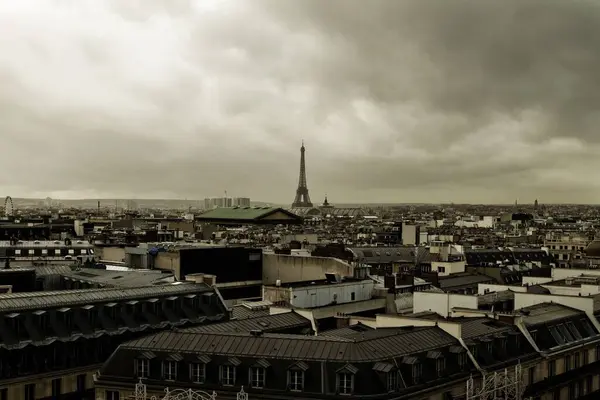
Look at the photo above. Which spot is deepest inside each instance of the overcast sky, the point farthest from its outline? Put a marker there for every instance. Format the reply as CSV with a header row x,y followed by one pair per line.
x,y
397,101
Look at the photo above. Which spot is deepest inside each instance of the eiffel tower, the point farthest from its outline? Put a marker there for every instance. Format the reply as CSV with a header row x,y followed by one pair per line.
x,y
302,199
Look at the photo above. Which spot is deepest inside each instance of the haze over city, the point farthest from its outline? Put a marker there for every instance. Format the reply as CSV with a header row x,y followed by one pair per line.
x,y
397,102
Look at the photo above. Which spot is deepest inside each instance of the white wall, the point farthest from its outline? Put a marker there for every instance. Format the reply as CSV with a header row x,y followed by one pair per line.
x,y
448,267
323,295
289,268
442,303
562,273
530,299
484,288
535,280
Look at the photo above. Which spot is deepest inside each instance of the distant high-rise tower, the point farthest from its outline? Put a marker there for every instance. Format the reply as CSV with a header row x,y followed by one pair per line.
x,y
535,205
302,199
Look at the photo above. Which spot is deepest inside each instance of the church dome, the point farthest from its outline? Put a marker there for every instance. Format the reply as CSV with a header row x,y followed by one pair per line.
x,y
593,249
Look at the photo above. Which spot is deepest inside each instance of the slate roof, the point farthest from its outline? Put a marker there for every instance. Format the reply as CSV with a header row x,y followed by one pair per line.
x,y
239,311
267,323
385,255
16,302
482,256
377,345
479,327
514,256
243,213
462,280
110,278
548,312
348,331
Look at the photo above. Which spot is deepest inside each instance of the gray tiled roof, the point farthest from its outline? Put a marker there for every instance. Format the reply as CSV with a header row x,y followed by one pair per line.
x,y
239,311
15,302
548,312
370,346
462,279
266,323
478,327
118,278
386,255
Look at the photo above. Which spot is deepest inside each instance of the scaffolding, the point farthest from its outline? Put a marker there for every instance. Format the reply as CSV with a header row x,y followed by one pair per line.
x,y
499,385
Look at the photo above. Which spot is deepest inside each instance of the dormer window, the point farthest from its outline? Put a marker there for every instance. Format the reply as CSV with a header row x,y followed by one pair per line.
x,y
228,371
258,373
440,366
198,372
440,361
389,372
41,320
257,377
91,315
198,369
345,379
417,373
296,376
169,370
142,365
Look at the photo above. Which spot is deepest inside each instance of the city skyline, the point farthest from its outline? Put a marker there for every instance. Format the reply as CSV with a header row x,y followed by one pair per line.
x,y
402,102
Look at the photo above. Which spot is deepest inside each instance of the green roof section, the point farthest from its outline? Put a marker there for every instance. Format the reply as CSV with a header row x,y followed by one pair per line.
x,y
245,214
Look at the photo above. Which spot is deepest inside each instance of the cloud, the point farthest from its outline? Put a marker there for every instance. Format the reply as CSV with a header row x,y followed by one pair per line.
x,y
398,101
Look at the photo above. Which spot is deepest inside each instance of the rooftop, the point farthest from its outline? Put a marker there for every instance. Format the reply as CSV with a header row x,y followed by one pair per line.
x,y
17,302
249,214
376,345
110,278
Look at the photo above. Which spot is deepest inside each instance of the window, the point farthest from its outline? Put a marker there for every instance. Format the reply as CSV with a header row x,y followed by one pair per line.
x,y
589,384
257,377
198,372
392,381
597,353
81,383
17,252
576,360
169,370
441,270
71,251
565,332
44,251
296,380
585,357
589,331
228,375
440,366
31,252
57,252
142,368
462,360
29,391
567,363
112,395
531,375
533,335
573,330
417,371
551,368
352,296
345,383
56,387
473,350
558,337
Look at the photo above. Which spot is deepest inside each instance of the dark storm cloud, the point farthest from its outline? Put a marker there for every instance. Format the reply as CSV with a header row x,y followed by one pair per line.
x,y
397,100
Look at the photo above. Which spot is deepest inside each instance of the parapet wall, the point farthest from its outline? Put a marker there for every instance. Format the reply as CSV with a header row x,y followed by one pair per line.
x,y
301,268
